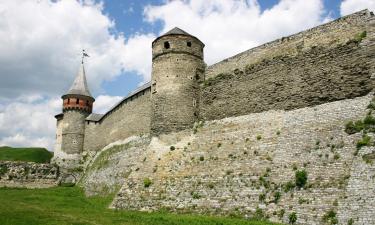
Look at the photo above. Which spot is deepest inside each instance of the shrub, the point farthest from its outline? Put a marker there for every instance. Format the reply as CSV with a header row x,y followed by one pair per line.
x,y
352,128
336,156
277,196
259,137
330,217
195,195
365,141
301,178
289,186
371,105
262,197
369,120
201,158
147,182
368,158
259,214
350,221
172,148
360,36
218,145
281,213
278,132
292,218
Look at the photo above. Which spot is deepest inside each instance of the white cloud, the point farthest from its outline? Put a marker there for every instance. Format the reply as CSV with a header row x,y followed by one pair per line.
x,y
41,43
104,102
29,121
351,6
137,54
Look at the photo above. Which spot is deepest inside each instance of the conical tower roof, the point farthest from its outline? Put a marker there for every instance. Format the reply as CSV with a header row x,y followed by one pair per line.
x,y
176,31
80,86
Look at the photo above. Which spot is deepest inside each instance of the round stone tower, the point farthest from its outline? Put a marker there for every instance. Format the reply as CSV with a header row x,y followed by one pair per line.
x,y
77,105
177,69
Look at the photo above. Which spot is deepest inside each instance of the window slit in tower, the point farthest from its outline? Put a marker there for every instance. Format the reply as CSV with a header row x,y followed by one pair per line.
x,y
77,102
166,45
68,100
188,44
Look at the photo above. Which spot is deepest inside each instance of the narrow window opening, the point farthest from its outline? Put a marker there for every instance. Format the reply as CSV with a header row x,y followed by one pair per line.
x,y
87,103
166,45
188,44
77,102
68,100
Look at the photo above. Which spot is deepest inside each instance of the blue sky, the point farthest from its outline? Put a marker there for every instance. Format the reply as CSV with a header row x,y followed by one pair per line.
x,y
41,43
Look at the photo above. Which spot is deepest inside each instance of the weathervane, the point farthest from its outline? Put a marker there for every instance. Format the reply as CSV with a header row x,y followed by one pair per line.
x,y
84,54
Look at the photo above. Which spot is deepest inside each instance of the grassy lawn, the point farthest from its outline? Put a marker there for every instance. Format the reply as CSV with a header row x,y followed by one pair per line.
x,y
38,155
63,205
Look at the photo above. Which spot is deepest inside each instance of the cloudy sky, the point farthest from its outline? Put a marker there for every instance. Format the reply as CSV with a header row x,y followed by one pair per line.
x,y
41,43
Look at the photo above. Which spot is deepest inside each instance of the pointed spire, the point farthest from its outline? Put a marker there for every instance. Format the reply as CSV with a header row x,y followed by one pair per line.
x,y
80,86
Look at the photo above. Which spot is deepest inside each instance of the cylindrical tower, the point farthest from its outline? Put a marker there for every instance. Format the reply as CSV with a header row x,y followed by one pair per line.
x,y
177,69
77,105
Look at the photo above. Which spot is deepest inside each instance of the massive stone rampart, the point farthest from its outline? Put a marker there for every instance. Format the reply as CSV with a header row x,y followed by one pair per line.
x,y
28,174
131,117
330,62
246,165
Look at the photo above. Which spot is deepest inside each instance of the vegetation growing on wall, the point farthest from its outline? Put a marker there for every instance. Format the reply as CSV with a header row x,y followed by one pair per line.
x,y
364,126
301,178
104,158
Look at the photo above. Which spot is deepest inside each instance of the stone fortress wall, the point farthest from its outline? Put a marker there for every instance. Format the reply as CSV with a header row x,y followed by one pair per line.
x,y
130,117
236,165
324,64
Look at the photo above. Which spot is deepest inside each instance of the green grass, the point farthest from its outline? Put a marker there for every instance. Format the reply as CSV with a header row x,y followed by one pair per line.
x,y
62,205
38,155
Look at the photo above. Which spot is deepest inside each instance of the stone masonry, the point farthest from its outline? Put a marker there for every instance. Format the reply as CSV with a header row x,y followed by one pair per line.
x,y
28,174
228,138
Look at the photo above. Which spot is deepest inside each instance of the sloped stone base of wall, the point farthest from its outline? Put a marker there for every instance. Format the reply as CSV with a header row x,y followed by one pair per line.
x,y
108,169
238,165
28,175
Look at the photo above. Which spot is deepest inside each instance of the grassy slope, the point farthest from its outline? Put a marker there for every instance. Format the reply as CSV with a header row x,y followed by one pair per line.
x,y
69,206
38,155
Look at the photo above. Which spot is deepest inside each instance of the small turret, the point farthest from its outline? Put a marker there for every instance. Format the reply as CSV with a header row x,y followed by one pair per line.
x,y
77,106
177,69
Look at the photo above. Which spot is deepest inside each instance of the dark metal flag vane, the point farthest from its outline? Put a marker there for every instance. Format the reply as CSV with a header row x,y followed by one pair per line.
x,y
84,54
